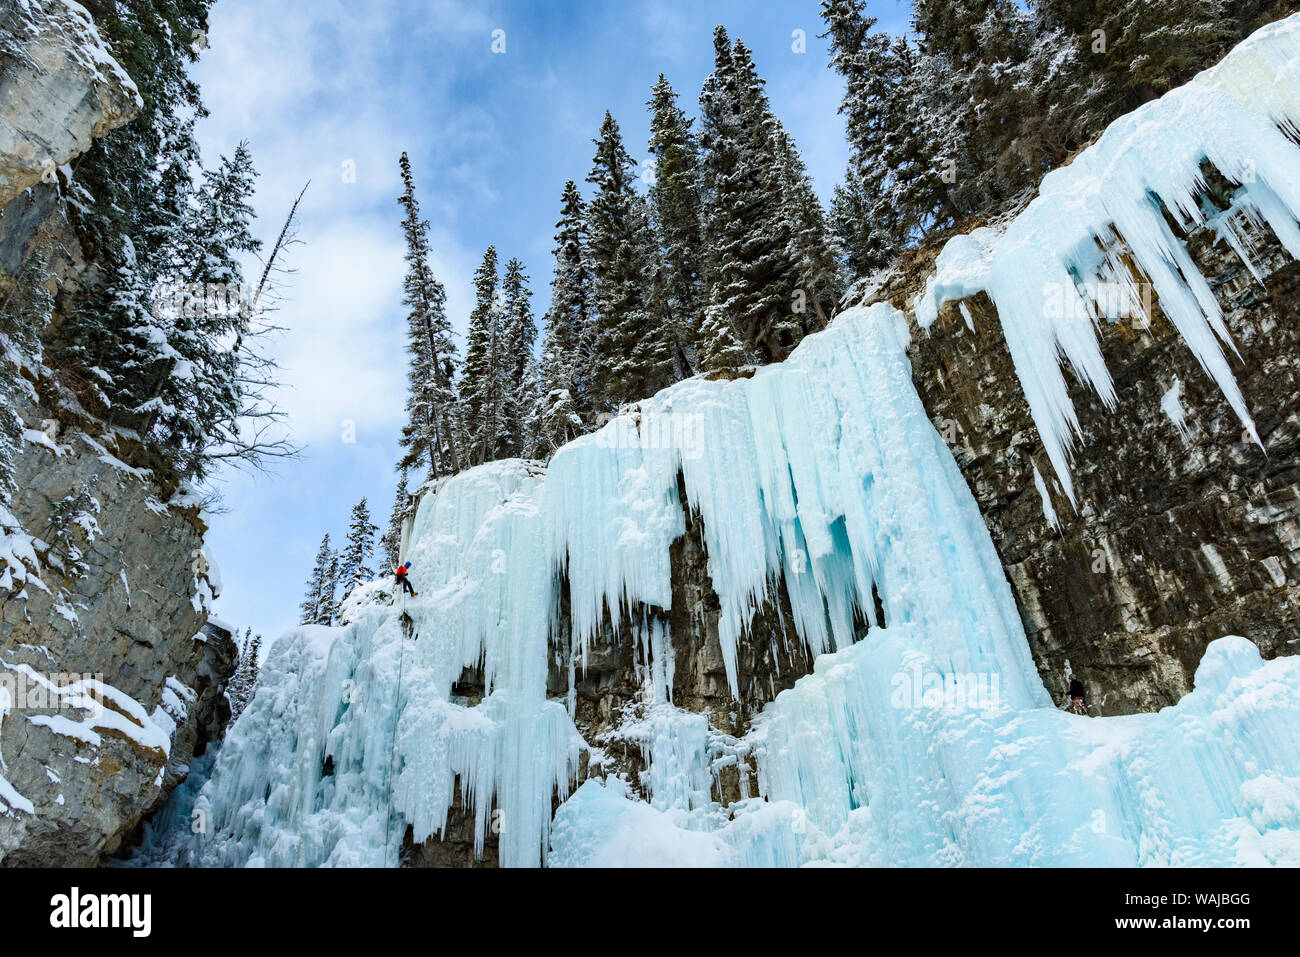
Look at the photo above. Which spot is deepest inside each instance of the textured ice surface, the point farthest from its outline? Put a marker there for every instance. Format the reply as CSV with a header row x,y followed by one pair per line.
x,y
930,741
1056,272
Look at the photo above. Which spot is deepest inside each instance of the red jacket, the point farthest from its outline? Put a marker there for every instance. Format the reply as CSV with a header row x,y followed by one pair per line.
x,y
401,571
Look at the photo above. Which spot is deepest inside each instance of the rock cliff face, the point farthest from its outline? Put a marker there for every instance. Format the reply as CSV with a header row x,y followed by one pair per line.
x,y
60,89
107,686
1178,540
113,590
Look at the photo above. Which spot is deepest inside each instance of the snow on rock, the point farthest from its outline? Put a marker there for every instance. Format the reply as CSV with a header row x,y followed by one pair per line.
x,y
1171,404
59,86
1056,270
100,706
19,564
930,741
1049,511
36,437
365,595
212,571
10,799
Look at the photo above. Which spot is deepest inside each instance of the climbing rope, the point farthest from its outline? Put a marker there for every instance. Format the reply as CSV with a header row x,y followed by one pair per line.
x,y
392,744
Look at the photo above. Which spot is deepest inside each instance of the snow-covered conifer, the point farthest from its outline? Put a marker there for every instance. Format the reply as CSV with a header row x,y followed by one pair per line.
x,y
429,436
355,563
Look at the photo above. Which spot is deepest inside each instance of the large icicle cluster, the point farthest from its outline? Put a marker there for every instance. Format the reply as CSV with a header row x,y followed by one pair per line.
x,y
1057,269
304,776
929,741
808,471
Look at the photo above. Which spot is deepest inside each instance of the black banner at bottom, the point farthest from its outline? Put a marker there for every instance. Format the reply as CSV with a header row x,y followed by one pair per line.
x,y
143,907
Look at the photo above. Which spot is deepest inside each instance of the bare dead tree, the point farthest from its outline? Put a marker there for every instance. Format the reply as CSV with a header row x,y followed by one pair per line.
x,y
254,437
288,237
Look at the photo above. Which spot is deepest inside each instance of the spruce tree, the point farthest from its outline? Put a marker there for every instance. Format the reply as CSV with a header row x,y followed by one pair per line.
x,y
243,683
965,116
254,662
874,216
237,687
565,402
530,400
556,420
719,347
1000,88
391,542
632,351
810,248
570,322
485,384
317,604
752,271
429,436
519,337
906,113
677,216
330,596
864,250
360,548
1153,47
185,386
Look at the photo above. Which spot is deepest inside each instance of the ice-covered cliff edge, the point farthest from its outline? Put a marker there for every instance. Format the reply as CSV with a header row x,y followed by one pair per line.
x,y
929,741
1097,240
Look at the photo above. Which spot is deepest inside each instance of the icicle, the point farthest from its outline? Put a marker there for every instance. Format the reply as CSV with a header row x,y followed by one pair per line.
x,y
1172,406
1145,165
1049,513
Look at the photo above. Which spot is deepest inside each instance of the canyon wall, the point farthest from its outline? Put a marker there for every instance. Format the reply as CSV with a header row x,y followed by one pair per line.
x,y
1178,539
109,683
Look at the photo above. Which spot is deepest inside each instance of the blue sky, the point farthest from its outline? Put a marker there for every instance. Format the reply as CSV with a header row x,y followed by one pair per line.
x,y
323,88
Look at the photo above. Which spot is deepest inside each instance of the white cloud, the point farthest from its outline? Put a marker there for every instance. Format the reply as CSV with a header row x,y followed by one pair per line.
x,y
314,89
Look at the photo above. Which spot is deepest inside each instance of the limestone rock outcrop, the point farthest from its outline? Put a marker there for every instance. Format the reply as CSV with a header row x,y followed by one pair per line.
x,y
108,604
1178,539
109,681
60,88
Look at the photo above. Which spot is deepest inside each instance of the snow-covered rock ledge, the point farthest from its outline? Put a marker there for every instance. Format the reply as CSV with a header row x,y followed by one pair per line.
x,y
59,89
106,693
